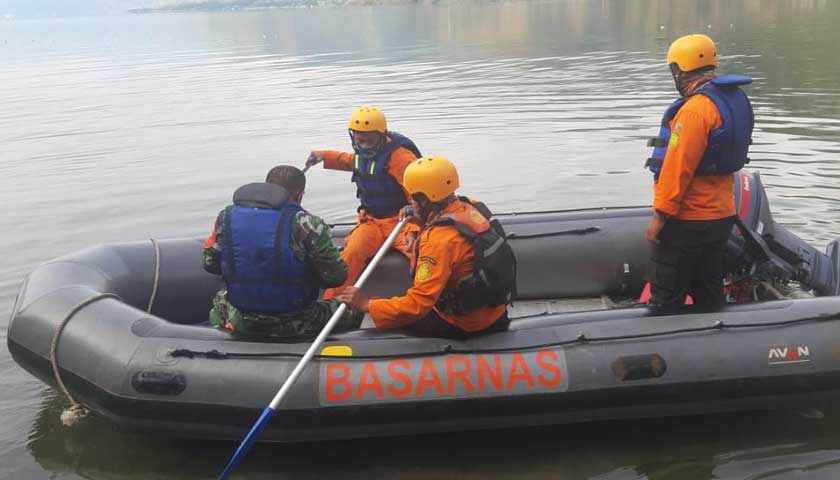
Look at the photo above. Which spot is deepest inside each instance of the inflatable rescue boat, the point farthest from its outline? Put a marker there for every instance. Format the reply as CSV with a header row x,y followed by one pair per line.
x,y
121,326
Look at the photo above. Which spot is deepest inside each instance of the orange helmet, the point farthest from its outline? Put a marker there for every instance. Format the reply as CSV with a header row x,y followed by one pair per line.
x,y
434,177
368,119
692,52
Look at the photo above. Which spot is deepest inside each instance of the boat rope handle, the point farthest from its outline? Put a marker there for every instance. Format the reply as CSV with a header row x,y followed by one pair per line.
x,y
70,416
157,275
576,231
448,349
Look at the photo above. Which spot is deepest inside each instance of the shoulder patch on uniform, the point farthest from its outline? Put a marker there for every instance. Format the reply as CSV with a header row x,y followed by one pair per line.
x,y
428,259
675,139
424,272
476,217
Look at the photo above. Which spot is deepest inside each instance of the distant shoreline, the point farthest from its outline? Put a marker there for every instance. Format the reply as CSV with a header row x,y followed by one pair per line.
x,y
255,5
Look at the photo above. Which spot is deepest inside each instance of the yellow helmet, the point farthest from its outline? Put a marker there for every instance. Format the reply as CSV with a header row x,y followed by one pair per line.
x,y
368,119
692,52
434,177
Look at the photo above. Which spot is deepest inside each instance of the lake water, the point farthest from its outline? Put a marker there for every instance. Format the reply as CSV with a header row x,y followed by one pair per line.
x,y
127,127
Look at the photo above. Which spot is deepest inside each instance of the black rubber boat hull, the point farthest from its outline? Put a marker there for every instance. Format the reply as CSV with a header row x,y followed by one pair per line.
x,y
721,369
135,368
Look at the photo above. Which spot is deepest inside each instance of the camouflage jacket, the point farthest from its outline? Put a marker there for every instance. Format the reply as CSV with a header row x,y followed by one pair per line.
x,y
311,243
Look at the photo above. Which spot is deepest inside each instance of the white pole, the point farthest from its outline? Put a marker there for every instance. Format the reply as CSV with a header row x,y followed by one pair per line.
x,y
336,316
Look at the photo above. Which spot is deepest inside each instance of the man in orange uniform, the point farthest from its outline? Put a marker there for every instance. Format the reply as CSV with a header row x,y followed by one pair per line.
x,y
703,140
464,270
378,162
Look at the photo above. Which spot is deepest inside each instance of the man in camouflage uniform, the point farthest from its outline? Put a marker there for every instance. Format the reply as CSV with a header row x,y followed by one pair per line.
x,y
318,262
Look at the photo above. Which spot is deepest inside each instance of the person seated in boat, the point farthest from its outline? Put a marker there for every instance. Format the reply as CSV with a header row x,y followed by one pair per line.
x,y
274,257
464,270
378,161
703,139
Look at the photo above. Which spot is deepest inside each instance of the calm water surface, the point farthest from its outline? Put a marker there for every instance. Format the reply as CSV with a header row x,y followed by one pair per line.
x,y
136,126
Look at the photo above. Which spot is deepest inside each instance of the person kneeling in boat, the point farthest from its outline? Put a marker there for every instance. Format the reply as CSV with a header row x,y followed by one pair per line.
x,y
703,139
274,257
379,158
464,270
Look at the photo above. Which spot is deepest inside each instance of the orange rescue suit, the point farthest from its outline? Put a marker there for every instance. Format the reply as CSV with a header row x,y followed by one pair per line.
x,y
680,194
370,232
443,257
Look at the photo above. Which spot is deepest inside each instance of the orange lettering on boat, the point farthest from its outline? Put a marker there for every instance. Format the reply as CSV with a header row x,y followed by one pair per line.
x,y
428,378
519,360
462,375
369,381
335,379
495,376
550,368
399,377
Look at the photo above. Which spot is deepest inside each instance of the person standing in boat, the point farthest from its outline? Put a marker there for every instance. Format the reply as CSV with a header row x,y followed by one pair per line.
x,y
703,139
274,257
378,161
464,270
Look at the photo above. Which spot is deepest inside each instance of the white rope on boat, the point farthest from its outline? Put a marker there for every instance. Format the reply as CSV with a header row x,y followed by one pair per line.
x,y
71,415
157,275
76,411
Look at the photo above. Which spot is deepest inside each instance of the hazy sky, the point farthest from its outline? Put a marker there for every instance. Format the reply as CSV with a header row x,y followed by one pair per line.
x,y
68,8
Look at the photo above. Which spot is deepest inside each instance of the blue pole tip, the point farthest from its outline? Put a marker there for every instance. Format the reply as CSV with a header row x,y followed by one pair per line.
x,y
249,439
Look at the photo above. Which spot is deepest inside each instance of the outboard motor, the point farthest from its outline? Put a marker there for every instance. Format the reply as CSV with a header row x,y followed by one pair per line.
x,y
762,249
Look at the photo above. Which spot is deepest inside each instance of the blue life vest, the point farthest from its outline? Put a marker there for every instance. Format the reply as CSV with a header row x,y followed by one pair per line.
x,y
259,267
726,151
379,193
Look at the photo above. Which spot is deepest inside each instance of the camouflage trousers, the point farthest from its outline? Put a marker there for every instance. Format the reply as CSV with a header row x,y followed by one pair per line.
x,y
301,325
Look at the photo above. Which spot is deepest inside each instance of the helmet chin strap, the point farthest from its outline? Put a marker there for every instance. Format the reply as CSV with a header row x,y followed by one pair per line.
x,y
688,82
681,89
677,75
367,153
434,208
